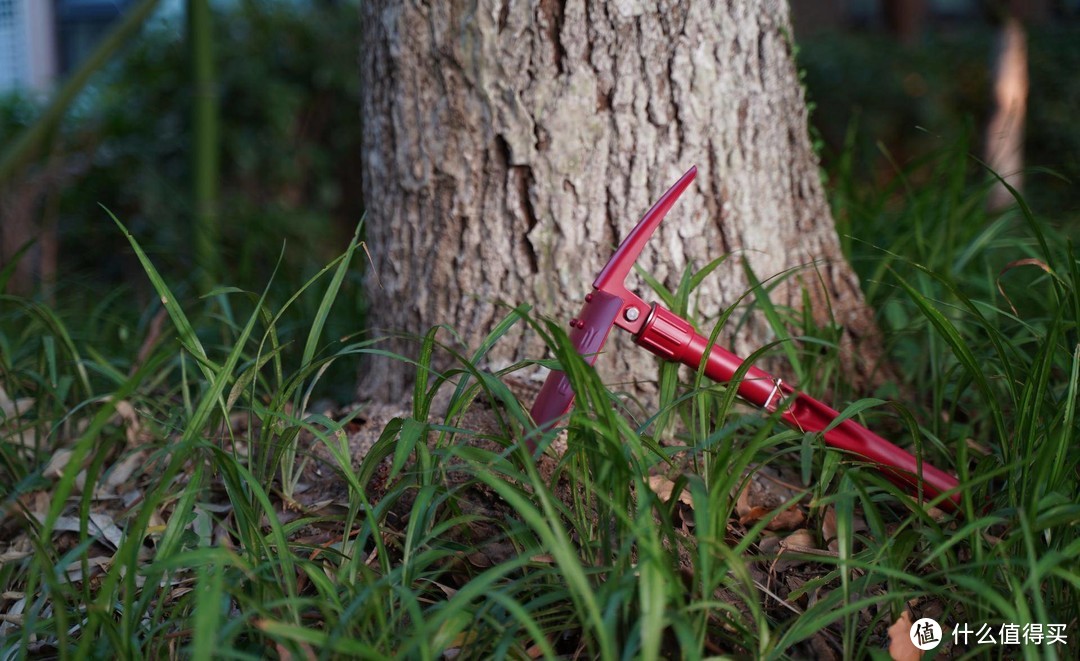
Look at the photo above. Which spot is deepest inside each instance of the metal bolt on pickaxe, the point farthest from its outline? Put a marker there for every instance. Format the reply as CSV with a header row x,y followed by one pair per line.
x,y
673,338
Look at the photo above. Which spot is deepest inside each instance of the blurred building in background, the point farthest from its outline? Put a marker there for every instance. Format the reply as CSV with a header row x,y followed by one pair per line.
x,y
41,40
27,44
80,24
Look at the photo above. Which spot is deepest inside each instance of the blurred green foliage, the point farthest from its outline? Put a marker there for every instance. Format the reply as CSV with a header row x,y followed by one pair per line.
x,y
290,178
290,132
872,93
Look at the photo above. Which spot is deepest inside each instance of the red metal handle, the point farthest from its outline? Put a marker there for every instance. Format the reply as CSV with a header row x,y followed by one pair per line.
x,y
672,338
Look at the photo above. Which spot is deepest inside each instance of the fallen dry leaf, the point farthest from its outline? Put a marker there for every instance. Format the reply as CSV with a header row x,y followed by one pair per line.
x,y
59,461
54,470
742,502
800,540
900,646
446,589
828,529
99,525
26,437
789,519
95,566
938,515
122,471
753,515
663,487
768,544
133,427
764,487
306,650
12,619
13,407
34,502
12,556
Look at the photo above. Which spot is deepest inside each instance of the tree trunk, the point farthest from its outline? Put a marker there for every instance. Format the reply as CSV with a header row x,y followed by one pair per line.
x,y
509,146
1004,150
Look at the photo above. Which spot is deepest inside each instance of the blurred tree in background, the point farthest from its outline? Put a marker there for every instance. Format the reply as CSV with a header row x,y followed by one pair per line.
x,y
881,102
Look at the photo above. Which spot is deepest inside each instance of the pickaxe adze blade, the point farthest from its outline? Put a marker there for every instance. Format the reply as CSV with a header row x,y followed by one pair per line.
x,y
609,304
673,338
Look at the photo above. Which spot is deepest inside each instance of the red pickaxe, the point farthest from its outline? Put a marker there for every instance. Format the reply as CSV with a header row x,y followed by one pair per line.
x,y
673,338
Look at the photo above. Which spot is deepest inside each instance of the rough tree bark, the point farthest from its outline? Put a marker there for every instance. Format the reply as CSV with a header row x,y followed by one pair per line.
x,y
510,145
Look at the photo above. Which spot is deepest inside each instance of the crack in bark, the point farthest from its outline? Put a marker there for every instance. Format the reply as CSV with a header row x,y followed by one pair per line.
x,y
541,139
676,107
716,201
611,216
762,50
520,179
504,14
551,13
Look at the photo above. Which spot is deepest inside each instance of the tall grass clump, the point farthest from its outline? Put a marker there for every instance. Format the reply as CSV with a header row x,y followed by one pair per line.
x,y
982,313
141,492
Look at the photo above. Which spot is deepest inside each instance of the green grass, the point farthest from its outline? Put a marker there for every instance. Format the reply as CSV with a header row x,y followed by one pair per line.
x,y
447,536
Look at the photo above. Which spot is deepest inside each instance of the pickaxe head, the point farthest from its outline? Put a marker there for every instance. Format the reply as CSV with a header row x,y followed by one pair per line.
x,y
609,304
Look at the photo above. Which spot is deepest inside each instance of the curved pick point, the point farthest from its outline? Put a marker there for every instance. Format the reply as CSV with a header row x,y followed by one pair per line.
x,y
618,267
